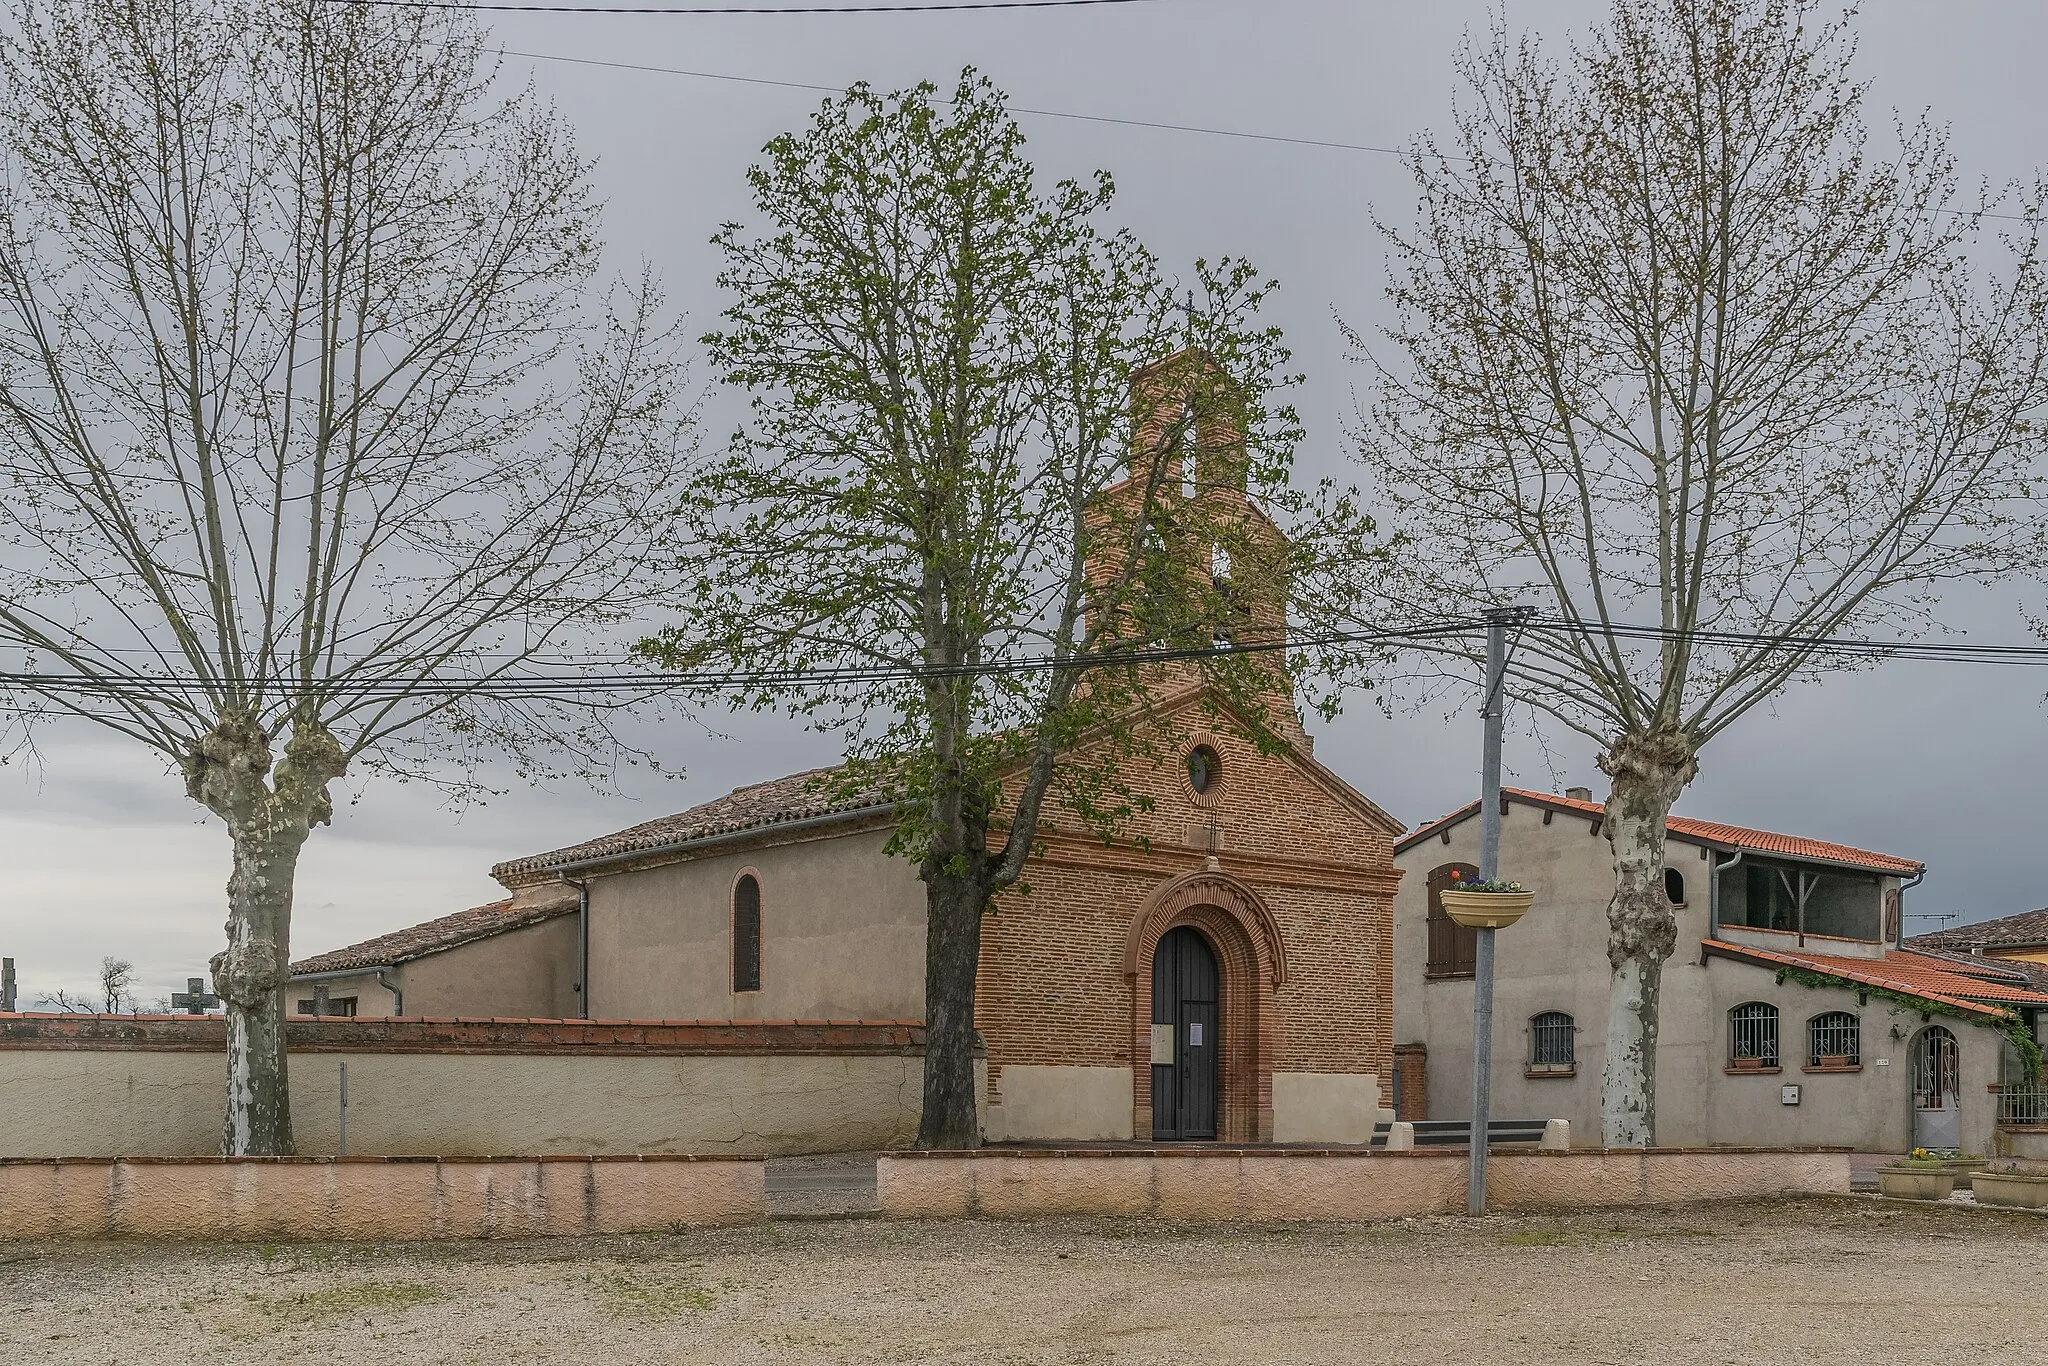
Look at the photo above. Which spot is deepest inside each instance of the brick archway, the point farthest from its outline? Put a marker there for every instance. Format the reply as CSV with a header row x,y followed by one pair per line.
x,y
1251,962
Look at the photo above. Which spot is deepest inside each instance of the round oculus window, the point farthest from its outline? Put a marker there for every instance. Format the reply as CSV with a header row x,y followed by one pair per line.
x,y
1205,769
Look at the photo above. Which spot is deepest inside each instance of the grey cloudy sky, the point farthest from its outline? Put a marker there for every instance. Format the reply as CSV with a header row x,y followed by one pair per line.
x,y
101,853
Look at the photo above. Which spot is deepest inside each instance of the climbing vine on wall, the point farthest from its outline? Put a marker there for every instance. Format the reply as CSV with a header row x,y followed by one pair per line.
x,y
2008,1023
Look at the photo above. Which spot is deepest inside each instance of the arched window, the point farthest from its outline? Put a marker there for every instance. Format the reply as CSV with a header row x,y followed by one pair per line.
x,y
1453,948
1550,1041
1674,886
1190,440
1834,1040
746,933
1753,1036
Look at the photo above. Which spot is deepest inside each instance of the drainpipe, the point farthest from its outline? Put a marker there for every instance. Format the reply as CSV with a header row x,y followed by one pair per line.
x,y
1714,893
390,984
1899,937
582,944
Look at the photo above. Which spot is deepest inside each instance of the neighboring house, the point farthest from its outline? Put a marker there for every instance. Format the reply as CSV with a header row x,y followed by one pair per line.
x,y
516,957
1790,1013
1222,970
2021,938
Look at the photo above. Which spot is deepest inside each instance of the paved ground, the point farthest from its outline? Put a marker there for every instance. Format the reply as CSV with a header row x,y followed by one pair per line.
x,y
1824,1281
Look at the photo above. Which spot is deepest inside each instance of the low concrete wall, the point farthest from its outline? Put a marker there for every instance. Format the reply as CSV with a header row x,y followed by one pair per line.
x,y
2030,1142
129,1086
1339,1184
374,1198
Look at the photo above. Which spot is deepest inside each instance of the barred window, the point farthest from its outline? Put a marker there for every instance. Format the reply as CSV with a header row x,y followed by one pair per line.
x,y
1834,1040
1550,1040
1753,1035
746,934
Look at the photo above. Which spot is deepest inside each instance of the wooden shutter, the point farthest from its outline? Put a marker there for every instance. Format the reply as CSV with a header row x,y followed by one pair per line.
x,y
1453,948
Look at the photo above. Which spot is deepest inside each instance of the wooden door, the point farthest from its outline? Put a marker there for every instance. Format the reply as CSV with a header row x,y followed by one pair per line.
x,y
1185,1011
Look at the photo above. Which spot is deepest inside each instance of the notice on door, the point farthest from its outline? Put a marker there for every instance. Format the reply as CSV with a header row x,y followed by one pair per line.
x,y
1194,1034
1162,1045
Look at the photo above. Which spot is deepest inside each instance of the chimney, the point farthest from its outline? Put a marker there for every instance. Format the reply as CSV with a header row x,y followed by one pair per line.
x,y
1579,794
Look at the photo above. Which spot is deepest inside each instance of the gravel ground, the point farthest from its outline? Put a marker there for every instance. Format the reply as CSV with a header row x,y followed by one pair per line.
x,y
1823,1281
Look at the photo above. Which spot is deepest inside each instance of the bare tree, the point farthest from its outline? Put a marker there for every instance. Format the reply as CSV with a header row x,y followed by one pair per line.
x,y
311,423
1692,362
116,974
950,472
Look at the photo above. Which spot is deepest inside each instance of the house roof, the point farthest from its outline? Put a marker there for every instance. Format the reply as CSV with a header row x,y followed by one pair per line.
x,y
810,795
2017,971
1916,974
2027,930
1704,832
800,796
434,936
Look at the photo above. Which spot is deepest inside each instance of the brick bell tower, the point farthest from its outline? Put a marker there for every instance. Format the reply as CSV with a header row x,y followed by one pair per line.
x,y
1216,568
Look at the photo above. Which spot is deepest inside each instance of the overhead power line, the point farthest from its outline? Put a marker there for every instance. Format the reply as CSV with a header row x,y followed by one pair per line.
x,y
936,8
1015,109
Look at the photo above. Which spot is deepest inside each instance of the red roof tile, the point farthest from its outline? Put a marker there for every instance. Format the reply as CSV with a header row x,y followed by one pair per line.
x,y
799,796
1706,832
434,936
1899,970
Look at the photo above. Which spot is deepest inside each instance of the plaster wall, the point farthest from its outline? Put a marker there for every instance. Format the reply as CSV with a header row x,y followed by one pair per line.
x,y
1556,959
530,972
220,1198
1305,1184
842,935
161,1103
1071,1103
1326,1107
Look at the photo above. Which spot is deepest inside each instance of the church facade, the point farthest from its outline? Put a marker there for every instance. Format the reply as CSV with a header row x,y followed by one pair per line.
x,y
1221,970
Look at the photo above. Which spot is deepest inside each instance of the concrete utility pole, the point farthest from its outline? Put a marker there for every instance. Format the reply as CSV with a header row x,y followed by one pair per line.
x,y
1493,712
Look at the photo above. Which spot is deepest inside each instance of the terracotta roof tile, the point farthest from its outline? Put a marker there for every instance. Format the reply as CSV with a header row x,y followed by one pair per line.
x,y
1899,970
434,936
2026,930
800,796
1707,832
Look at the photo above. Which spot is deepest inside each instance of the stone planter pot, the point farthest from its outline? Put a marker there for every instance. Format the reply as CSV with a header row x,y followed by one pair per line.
x,y
2022,1190
1916,1183
1487,910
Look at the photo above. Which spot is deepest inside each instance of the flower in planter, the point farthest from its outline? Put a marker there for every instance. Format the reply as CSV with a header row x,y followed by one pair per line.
x,y
1459,884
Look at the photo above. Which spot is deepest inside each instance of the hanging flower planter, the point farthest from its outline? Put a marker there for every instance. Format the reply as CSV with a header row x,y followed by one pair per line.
x,y
1486,905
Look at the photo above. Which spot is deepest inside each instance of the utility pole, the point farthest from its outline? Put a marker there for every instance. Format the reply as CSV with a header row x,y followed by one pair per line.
x,y
1493,713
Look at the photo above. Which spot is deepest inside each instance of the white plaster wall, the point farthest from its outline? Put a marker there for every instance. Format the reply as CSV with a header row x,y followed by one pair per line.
x,y
842,936
1077,1103
1556,959
1326,1107
111,1103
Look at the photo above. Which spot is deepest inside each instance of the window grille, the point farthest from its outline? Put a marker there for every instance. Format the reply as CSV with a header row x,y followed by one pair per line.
x,y
1453,948
1550,1040
1834,1040
746,934
1753,1035
2021,1098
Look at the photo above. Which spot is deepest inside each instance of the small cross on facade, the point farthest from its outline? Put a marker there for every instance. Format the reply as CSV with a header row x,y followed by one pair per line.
x,y
195,999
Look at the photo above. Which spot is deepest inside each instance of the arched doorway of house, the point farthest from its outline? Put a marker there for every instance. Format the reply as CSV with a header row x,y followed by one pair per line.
x,y
1185,1046
1937,1091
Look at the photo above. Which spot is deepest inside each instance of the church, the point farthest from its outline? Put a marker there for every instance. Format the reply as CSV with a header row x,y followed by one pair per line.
x,y
1223,970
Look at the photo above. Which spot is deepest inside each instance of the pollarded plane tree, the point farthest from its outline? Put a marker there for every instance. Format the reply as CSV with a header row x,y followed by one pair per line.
x,y
951,487
314,424
1679,345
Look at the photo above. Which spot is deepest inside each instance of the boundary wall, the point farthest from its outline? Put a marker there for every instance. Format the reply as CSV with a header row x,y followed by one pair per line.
x,y
120,1086
374,1198
1238,1183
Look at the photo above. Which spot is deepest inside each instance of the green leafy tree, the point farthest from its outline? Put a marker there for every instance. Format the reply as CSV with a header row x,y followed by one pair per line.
x,y
983,434
1694,365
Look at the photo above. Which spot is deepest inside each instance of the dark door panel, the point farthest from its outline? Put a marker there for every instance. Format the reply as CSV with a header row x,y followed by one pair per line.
x,y
1185,1001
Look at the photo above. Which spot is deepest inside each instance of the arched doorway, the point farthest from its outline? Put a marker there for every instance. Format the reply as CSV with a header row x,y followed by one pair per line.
x,y
1185,1020
1937,1091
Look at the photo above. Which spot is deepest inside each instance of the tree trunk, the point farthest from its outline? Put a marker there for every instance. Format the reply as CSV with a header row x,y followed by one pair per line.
x,y
249,977
268,815
954,905
1649,771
